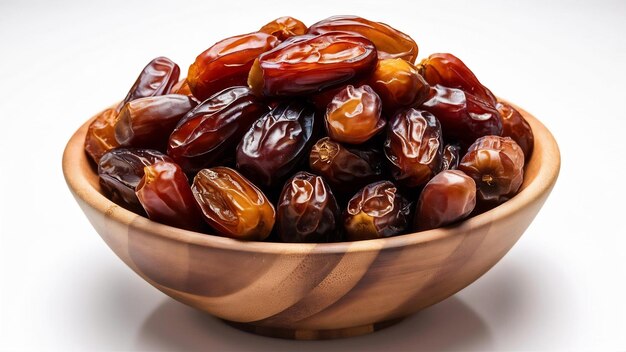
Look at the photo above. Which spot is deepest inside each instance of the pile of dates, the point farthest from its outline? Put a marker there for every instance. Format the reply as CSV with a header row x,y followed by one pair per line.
x,y
320,134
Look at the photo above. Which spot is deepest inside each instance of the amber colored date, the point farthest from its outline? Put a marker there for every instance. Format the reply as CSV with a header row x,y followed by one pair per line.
x,y
497,165
211,131
310,63
232,205
376,211
100,136
121,169
414,147
346,169
398,84
227,63
450,157
276,143
449,197
182,87
307,211
284,27
390,42
353,116
157,78
449,71
165,195
515,126
463,117
148,122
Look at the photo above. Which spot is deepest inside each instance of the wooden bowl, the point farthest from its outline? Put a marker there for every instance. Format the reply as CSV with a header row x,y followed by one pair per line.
x,y
313,291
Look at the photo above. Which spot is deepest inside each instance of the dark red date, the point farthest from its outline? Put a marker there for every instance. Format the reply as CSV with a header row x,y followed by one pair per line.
x,y
450,157
157,78
515,126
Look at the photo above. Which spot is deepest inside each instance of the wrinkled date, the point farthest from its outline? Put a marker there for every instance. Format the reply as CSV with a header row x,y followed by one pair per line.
x,y
213,128
497,165
376,211
165,195
515,126
284,27
100,137
227,63
449,71
346,169
450,196
307,211
121,169
232,205
276,143
462,116
148,122
398,84
157,78
353,116
309,63
414,146
390,42
450,157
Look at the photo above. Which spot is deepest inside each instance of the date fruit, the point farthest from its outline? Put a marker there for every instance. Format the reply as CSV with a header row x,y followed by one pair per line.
x,y
376,211
414,147
497,165
157,78
182,87
398,84
307,211
450,157
121,169
148,122
353,116
276,143
227,63
449,71
100,136
390,42
515,126
346,169
284,27
463,117
450,196
165,195
232,205
211,131
307,64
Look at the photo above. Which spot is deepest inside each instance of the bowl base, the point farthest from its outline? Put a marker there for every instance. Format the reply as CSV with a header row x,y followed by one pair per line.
x,y
294,334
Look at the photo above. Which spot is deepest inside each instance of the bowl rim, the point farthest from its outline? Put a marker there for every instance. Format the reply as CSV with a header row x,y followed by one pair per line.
x,y
75,158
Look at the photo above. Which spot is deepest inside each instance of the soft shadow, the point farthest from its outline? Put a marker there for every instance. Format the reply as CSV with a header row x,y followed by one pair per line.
x,y
449,325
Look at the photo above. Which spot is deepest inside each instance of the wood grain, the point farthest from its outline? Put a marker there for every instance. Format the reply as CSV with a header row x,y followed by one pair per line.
x,y
313,291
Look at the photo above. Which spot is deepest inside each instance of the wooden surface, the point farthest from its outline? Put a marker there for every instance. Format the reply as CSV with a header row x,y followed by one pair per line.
x,y
312,291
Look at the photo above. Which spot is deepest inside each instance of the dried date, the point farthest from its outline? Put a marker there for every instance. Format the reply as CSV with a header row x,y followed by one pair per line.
x,y
100,137
515,126
398,84
353,116
450,157
157,78
284,27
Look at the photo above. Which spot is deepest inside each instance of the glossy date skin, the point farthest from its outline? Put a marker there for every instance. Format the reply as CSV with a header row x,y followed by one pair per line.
x,y
346,169
398,84
232,205
497,166
276,143
284,27
354,115
182,87
121,169
449,71
211,131
157,78
376,211
227,63
307,211
148,122
307,64
448,197
515,126
451,157
414,147
390,43
100,137
463,117
165,195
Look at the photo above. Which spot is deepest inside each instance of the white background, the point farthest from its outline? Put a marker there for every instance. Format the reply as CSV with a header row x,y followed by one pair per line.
x,y
561,287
